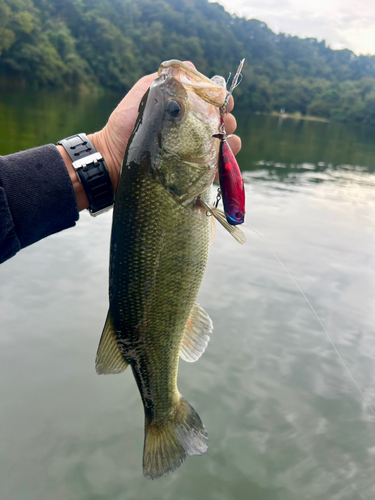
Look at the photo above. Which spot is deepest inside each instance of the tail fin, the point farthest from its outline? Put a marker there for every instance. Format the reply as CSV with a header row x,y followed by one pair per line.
x,y
167,445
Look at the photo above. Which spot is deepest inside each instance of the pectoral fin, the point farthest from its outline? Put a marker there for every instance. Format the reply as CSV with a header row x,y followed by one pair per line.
x,y
212,230
109,358
221,217
196,335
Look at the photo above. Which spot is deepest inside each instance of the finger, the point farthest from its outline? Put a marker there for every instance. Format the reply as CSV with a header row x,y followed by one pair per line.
x,y
146,81
230,104
138,90
235,143
230,124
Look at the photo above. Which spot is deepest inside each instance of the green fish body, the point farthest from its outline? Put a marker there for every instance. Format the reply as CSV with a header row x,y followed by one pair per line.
x,y
159,251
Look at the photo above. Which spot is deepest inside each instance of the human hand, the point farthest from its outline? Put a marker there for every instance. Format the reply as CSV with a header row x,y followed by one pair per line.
x,y
112,140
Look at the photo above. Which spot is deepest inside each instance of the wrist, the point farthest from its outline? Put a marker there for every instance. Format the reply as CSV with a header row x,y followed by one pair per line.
x,y
82,200
93,181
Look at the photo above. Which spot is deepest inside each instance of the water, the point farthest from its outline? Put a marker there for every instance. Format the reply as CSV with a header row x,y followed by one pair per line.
x,y
284,419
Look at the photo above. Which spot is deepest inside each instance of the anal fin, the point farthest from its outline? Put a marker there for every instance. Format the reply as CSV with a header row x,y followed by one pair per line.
x,y
109,358
196,335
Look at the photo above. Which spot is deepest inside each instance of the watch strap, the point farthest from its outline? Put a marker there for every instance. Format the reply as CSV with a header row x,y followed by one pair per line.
x,y
91,171
77,146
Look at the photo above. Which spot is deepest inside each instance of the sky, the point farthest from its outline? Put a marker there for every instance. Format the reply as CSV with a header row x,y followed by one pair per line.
x,y
342,23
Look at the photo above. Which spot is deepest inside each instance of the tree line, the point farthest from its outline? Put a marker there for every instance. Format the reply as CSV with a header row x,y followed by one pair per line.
x,y
112,43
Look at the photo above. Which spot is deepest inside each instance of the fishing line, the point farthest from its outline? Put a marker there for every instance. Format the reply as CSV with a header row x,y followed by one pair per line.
x,y
317,317
235,82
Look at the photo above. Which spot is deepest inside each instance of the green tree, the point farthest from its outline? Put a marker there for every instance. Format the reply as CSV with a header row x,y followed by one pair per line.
x,y
111,43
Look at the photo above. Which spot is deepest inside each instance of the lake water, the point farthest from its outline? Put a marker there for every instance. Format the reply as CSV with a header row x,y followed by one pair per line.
x,y
285,420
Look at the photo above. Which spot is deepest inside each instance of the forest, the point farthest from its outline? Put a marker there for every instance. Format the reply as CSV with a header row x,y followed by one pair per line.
x,y
109,44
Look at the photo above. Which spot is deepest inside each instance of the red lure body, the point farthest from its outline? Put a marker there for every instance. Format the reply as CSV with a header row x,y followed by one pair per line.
x,y
231,185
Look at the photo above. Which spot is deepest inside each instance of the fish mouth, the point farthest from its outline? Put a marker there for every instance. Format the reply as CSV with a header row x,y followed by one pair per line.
x,y
208,90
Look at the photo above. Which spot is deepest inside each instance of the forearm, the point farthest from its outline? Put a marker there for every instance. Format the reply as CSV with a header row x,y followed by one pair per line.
x,y
37,198
82,201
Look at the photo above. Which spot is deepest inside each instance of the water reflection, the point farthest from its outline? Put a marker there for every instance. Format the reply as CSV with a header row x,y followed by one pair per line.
x,y
284,419
295,146
30,119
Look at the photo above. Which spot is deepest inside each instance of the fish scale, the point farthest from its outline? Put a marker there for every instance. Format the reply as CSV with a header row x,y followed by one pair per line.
x,y
152,296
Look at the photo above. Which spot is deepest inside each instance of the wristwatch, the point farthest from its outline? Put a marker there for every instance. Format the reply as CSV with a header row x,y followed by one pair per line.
x,y
91,171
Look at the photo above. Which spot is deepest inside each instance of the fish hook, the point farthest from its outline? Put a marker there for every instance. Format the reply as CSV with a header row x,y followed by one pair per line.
x,y
237,79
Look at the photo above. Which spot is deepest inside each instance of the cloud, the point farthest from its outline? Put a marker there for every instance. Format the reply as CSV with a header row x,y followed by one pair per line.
x,y
342,23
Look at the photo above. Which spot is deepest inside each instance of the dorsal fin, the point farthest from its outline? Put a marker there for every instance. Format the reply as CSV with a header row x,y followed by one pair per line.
x,y
196,335
109,358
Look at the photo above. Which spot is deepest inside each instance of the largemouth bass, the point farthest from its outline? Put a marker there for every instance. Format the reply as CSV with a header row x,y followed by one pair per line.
x,y
159,250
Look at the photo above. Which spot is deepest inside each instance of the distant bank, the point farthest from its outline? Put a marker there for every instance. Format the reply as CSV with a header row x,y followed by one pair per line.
x,y
97,44
299,116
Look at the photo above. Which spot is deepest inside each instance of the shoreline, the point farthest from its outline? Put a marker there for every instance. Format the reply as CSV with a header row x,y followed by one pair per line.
x,y
299,116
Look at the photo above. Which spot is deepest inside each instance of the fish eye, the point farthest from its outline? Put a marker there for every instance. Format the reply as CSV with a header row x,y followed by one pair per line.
x,y
174,108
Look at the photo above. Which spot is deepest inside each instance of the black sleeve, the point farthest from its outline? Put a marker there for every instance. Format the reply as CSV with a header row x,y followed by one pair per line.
x,y
36,198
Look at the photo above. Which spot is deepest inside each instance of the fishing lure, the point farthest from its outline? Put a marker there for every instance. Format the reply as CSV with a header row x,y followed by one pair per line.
x,y
231,184
230,179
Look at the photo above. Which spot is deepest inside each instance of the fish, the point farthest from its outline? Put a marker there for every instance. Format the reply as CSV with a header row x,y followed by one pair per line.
x,y
161,233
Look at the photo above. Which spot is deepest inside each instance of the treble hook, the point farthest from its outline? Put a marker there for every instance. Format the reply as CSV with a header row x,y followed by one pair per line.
x,y
235,83
218,198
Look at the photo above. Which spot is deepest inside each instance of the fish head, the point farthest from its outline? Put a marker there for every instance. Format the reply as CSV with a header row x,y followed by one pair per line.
x,y
180,115
192,111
